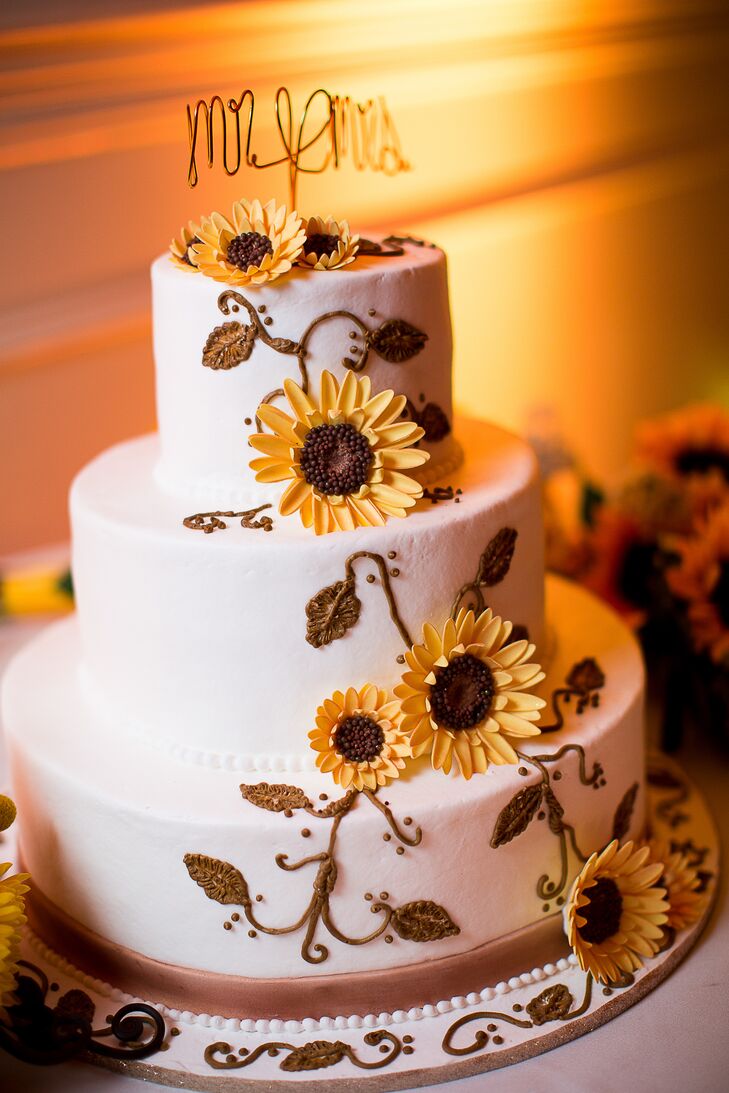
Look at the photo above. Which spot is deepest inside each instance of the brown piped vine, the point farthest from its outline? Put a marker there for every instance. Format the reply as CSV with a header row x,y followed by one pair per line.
x,y
584,681
419,920
493,566
390,247
336,608
555,1003
541,800
315,1055
669,808
209,522
442,493
228,345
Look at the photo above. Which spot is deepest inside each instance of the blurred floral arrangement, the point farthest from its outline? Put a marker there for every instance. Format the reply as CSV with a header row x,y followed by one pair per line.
x,y
656,548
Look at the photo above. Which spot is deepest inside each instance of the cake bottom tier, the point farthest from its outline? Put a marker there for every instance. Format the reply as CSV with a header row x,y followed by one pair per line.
x,y
188,882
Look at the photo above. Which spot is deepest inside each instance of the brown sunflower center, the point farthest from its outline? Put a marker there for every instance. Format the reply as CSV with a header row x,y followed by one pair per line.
x,y
462,693
703,460
321,244
248,249
336,459
602,913
720,593
359,739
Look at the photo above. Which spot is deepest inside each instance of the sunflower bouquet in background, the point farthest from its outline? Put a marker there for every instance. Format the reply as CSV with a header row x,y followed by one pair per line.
x,y
657,550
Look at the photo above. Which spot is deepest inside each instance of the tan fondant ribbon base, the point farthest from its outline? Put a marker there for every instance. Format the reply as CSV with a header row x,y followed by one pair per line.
x,y
360,993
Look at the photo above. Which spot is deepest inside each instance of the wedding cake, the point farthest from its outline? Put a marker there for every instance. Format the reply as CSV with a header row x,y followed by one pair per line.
x,y
320,740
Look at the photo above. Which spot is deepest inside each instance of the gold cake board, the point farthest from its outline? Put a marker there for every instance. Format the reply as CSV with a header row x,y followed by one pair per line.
x,y
533,1012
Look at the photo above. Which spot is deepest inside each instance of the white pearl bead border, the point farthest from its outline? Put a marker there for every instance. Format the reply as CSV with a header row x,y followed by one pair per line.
x,y
309,1024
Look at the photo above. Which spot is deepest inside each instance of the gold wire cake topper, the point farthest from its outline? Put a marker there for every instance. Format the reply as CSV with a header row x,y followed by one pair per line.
x,y
364,132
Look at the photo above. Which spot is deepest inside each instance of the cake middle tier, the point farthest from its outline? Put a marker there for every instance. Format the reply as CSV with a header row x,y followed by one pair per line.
x,y
222,645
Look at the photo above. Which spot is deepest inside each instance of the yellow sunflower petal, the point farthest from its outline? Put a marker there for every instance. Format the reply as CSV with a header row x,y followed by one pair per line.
x,y
347,399
294,497
329,392
280,422
271,470
300,403
274,446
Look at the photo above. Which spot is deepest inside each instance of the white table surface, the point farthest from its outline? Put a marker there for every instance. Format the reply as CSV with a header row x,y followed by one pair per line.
x,y
676,1040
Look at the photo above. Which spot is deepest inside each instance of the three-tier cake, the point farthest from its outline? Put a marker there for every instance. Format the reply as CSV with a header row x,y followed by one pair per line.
x,y
295,755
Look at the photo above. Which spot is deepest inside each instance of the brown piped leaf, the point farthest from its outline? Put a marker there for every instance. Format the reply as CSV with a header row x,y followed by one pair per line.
x,y
397,341
586,676
555,812
282,345
228,345
433,421
331,612
496,559
315,1055
663,779
76,1004
515,817
552,1004
624,811
219,880
342,804
275,798
423,920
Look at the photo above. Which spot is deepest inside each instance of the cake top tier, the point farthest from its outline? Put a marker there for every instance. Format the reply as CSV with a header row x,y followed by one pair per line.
x,y
222,349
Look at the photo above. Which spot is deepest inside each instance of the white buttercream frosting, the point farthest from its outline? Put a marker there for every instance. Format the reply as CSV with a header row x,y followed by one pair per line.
x,y
106,821
199,641
202,411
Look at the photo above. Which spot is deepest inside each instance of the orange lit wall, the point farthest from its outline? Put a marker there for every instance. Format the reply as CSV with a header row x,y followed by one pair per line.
x,y
571,157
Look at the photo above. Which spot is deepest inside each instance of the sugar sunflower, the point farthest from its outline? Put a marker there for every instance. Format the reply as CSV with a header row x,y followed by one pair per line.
x,y
615,911
12,891
258,243
466,693
681,882
346,456
358,738
690,442
701,578
180,251
328,244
